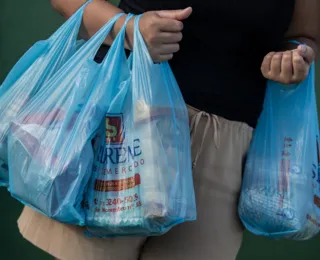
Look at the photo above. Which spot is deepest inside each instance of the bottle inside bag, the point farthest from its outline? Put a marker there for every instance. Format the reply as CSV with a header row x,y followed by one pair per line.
x,y
136,170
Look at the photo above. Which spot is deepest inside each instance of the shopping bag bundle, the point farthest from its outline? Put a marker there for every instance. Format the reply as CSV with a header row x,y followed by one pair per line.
x,y
49,146
30,73
280,195
106,145
142,181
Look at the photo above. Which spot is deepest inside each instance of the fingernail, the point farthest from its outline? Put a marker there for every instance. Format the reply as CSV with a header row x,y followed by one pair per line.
x,y
303,48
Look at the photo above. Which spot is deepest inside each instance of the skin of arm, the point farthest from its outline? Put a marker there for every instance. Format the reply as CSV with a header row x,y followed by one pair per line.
x,y
161,30
293,64
95,15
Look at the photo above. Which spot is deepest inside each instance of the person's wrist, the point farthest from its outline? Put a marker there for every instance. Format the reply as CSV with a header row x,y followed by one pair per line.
x,y
129,30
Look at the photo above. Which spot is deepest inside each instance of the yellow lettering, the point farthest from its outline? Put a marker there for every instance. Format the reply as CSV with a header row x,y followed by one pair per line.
x,y
111,131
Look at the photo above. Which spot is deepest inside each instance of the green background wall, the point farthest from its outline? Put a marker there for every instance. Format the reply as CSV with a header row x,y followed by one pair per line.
x,y
21,24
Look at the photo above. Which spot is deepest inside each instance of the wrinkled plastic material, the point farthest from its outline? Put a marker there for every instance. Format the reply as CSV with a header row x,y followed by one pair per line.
x,y
29,74
142,175
49,147
280,195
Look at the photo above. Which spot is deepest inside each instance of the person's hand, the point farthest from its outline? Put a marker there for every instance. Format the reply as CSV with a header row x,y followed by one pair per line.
x,y
162,32
289,67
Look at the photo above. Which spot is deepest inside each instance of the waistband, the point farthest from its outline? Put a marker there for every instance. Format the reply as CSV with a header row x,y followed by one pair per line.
x,y
213,125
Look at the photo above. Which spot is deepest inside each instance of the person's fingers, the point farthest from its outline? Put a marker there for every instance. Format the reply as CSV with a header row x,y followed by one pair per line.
x,y
168,25
167,37
300,67
266,64
165,57
286,67
275,67
169,48
307,53
176,14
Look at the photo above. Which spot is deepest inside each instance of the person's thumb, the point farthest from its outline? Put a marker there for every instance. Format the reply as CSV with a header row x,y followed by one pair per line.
x,y
307,53
175,14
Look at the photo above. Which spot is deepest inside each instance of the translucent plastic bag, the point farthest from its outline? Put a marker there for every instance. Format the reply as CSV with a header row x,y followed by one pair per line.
x,y
29,74
49,146
142,175
280,195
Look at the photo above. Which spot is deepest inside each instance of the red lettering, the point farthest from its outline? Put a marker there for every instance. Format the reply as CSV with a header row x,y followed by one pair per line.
x,y
317,201
313,221
283,177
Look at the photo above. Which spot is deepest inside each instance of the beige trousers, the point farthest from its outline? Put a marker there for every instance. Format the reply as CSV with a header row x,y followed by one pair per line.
x,y
219,148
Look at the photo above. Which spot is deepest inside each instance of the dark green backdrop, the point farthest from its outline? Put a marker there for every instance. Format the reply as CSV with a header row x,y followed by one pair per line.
x,y
21,24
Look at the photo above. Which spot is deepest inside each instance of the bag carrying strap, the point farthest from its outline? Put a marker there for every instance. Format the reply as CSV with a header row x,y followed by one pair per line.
x,y
72,24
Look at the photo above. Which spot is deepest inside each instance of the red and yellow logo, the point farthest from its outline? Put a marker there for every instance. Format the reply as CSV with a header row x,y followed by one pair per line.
x,y
114,129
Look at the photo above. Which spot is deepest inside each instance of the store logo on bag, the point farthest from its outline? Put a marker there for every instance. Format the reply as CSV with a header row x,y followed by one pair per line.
x,y
114,129
117,185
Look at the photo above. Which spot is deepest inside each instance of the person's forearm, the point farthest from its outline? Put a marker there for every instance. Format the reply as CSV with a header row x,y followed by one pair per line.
x,y
305,24
96,14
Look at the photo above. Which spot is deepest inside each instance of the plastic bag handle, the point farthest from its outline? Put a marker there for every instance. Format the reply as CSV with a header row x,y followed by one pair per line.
x,y
296,85
94,43
138,41
73,22
67,33
118,43
85,53
297,42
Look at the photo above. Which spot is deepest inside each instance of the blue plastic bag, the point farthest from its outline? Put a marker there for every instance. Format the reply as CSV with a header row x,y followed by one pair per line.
x,y
49,146
280,196
29,74
142,174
